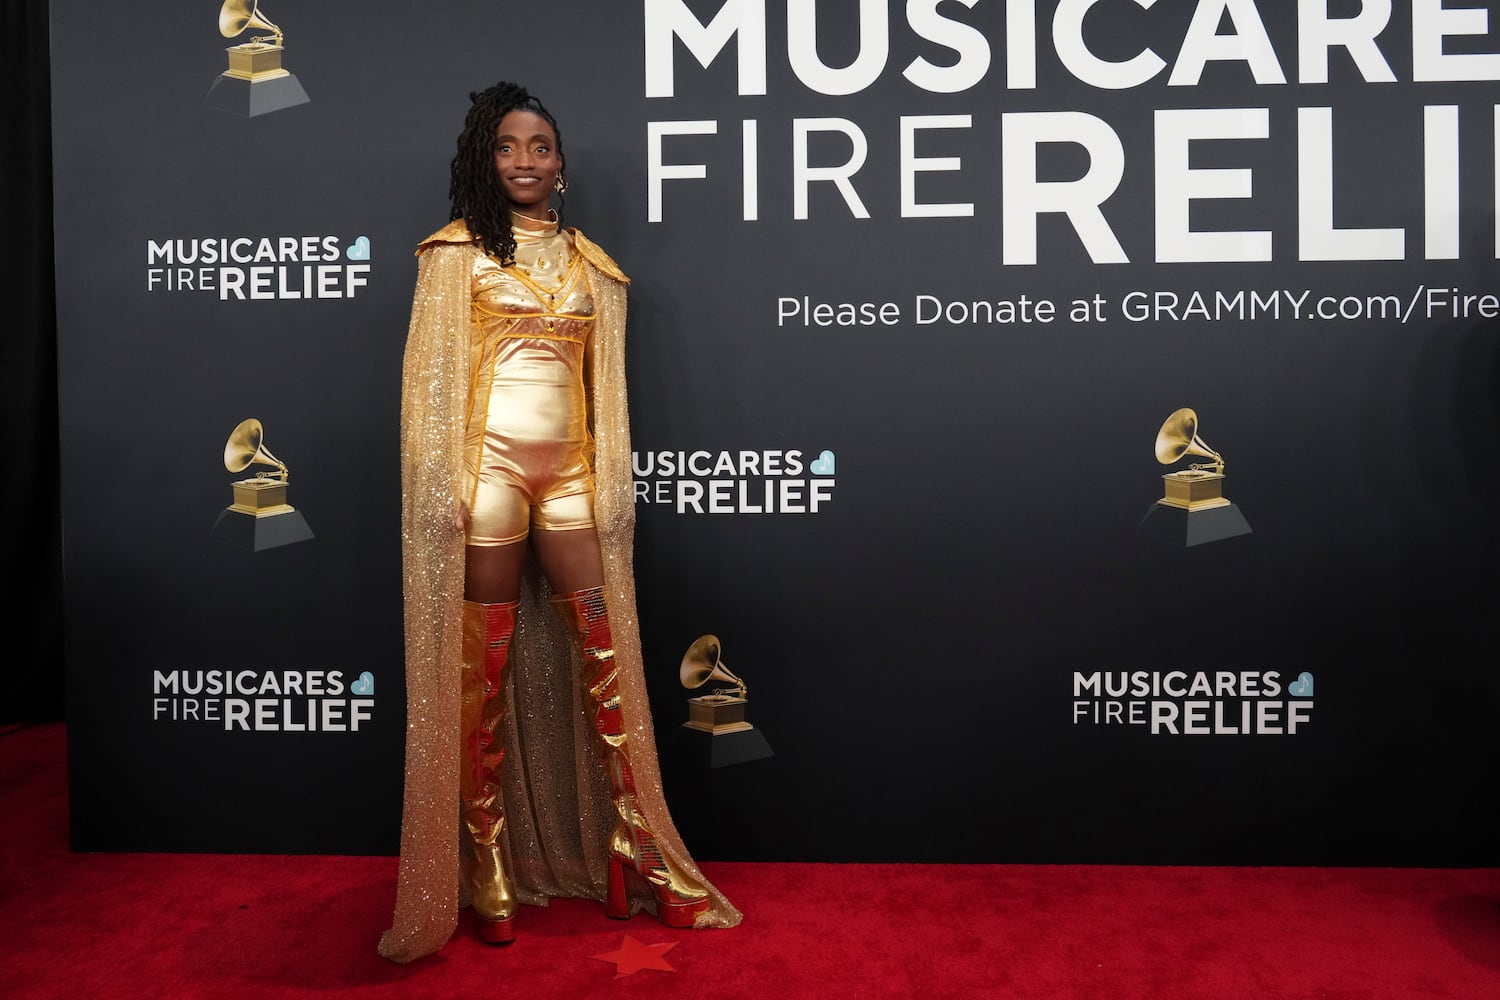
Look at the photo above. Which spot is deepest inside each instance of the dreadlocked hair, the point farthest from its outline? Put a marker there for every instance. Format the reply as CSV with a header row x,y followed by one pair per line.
x,y
474,191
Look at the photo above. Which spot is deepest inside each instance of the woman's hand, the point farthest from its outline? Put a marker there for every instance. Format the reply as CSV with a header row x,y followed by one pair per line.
x,y
461,518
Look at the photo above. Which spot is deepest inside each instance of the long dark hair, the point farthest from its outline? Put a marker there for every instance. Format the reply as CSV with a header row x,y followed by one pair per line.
x,y
474,191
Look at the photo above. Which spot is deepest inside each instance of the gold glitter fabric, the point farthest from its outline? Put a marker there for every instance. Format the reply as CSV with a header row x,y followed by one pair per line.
x,y
558,808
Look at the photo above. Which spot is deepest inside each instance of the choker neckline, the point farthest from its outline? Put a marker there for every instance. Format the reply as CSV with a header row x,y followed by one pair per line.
x,y
526,225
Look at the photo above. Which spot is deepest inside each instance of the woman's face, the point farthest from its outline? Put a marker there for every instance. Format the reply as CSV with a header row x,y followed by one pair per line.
x,y
526,161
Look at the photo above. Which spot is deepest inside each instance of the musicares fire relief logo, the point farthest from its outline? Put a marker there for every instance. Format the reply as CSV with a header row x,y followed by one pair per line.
x,y
259,267
286,701
1199,703
772,481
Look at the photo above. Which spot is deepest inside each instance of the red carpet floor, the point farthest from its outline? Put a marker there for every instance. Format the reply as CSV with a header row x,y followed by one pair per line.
x,y
214,926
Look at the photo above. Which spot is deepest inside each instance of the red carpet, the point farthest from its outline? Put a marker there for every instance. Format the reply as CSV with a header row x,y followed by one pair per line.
x,y
150,925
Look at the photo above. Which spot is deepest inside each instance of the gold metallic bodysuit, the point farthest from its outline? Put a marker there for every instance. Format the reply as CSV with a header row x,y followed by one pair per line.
x,y
559,811
528,411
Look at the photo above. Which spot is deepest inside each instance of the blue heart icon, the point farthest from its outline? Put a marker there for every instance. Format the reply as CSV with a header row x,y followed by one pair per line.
x,y
359,249
1302,687
823,464
365,686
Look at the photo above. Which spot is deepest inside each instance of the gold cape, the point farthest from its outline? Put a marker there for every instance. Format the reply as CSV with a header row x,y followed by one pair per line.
x,y
558,806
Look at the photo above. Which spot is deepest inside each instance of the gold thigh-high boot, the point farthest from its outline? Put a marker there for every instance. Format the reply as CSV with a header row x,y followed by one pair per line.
x,y
678,898
487,632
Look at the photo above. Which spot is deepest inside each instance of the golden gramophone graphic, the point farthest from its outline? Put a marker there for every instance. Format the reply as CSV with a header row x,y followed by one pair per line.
x,y
1193,508
260,517
255,82
720,714
1199,486
260,495
723,711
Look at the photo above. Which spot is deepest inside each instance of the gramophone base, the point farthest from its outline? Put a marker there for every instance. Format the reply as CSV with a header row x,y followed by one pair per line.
x,y
246,531
717,714
710,750
241,97
1184,528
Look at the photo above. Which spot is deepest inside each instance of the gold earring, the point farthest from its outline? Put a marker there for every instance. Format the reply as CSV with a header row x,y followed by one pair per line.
x,y
561,185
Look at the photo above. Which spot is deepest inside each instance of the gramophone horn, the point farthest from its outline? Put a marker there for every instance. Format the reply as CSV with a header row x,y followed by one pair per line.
x,y
1179,437
237,15
701,663
244,448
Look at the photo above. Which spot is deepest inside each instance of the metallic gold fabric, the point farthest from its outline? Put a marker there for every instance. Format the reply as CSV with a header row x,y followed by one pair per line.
x,y
558,807
534,320
488,629
633,842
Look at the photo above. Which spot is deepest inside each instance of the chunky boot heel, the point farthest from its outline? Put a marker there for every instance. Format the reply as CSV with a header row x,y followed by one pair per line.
x,y
617,904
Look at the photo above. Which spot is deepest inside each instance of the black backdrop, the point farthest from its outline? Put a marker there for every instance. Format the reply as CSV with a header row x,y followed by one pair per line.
x,y
32,617
927,648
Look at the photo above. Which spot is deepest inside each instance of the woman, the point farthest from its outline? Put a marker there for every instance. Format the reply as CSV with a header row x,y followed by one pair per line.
x,y
515,458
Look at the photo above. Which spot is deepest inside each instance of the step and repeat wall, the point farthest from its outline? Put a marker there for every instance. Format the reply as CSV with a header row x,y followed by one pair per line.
x,y
1075,423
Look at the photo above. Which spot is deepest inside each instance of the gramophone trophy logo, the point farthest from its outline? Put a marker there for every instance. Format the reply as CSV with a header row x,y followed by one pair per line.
x,y
1193,508
255,82
721,716
260,518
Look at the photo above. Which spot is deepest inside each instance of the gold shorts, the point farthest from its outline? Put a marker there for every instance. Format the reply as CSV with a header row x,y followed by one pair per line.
x,y
534,464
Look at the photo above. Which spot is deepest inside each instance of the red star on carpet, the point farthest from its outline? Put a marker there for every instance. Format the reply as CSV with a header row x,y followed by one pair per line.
x,y
633,956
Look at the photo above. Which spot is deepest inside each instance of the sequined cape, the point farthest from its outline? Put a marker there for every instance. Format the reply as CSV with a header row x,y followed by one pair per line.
x,y
558,806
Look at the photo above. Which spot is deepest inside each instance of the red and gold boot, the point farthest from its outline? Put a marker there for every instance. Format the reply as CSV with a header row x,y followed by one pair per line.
x,y
679,899
487,632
